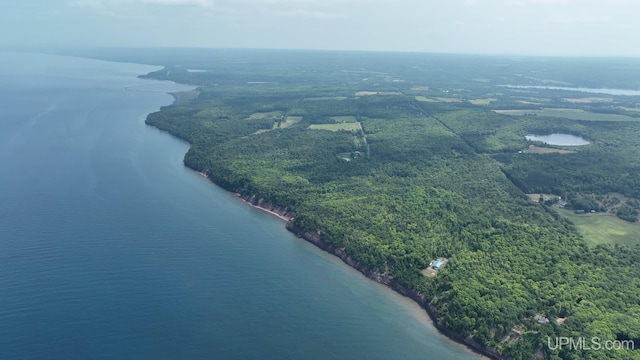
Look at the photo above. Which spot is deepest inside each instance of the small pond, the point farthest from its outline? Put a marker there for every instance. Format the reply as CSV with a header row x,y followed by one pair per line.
x,y
558,139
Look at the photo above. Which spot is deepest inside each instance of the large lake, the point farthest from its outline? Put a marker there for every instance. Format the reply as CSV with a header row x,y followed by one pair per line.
x,y
111,249
623,92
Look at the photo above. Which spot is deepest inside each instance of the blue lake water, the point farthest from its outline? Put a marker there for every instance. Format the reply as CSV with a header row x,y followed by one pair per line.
x,y
558,139
111,249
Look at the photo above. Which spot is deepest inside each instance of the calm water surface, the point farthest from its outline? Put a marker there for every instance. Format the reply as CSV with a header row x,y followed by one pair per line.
x,y
622,92
111,249
558,139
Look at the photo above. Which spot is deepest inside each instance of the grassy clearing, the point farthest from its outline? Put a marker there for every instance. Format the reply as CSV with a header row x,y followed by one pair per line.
x,y
545,150
344,119
336,127
588,100
429,272
604,228
487,101
572,114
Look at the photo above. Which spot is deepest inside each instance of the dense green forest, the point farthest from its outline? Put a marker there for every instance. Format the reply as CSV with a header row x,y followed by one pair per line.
x,y
400,159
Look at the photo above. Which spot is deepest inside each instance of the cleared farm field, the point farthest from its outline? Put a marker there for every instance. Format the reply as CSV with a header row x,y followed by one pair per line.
x,y
336,127
483,101
604,228
588,100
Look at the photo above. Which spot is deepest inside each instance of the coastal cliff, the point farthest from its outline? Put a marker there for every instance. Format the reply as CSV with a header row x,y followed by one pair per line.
x,y
315,239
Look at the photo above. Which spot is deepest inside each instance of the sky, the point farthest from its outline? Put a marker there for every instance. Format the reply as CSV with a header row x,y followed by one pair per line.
x,y
519,27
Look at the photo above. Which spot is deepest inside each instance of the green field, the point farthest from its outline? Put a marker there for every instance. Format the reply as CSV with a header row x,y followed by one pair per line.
x,y
604,229
336,127
571,114
487,101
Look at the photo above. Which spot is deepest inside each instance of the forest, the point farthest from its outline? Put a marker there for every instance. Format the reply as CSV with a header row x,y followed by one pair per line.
x,y
400,159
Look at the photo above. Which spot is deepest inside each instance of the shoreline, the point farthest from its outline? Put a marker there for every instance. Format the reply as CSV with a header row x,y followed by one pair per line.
x,y
282,215
379,278
284,218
